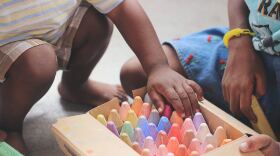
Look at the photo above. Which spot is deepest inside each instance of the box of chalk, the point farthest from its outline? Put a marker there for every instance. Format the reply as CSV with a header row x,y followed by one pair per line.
x,y
138,129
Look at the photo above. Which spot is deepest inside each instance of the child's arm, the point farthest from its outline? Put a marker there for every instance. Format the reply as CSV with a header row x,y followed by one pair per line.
x,y
261,142
138,32
244,74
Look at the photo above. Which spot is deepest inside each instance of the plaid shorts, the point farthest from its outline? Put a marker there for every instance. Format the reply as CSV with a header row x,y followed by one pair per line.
x,y
11,51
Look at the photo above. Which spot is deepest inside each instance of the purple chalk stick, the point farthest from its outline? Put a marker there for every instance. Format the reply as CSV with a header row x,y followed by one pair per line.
x,y
198,119
112,127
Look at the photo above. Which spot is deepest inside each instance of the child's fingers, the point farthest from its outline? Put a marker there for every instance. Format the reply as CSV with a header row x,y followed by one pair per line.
x,y
260,85
157,100
186,101
245,106
198,90
173,98
254,143
192,97
234,100
3,135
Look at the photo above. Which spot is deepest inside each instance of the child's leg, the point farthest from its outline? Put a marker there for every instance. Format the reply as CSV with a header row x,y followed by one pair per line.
x,y
133,76
90,43
27,81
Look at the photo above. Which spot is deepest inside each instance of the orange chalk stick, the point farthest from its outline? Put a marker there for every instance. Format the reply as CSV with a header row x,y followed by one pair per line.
x,y
175,118
145,110
162,138
173,145
137,105
175,132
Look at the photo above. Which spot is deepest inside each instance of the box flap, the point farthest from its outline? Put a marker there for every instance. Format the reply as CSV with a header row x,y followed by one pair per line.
x,y
234,128
88,137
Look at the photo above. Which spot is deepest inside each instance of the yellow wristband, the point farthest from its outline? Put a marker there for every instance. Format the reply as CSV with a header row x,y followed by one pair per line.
x,y
236,33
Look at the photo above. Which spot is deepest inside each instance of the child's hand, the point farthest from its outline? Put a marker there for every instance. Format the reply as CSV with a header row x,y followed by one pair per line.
x,y
261,142
244,75
183,94
3,135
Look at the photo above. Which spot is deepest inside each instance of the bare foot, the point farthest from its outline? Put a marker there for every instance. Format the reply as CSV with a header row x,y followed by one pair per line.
x,y
16,141
91,92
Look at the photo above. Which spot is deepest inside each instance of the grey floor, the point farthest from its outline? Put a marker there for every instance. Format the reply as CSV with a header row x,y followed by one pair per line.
x,y
171,18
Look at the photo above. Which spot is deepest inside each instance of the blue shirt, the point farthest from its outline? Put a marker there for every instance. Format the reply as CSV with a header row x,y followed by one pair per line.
x,y
264,21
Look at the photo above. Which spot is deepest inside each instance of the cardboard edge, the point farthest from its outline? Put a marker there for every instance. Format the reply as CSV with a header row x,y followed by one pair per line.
x,y
105,108
232,125
232,149
64,143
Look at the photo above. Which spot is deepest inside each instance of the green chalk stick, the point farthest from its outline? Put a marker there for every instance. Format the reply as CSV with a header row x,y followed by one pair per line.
x,y
7,150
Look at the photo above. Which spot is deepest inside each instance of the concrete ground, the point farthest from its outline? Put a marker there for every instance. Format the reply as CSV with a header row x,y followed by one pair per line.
x,y
171,18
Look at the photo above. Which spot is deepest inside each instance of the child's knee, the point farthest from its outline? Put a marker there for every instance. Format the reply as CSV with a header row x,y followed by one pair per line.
x,y
132,75
36,65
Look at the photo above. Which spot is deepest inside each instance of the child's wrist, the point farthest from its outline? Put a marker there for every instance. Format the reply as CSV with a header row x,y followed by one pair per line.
x,y
157,67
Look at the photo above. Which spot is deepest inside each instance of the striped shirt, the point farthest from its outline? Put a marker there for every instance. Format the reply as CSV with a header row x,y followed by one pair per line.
x,y
41,19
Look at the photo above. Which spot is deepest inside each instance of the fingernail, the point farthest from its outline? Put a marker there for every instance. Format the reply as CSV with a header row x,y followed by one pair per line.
x,y
183,115
244,147
160,110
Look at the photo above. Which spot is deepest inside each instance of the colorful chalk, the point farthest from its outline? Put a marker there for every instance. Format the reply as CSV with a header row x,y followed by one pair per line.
x,y
167,111
125,138
139,136
194,146
137,105
225,141
144,125
101,119
164,124
188,125
128,129
162,138
132,117
170,154
115,117
145,110
153,130
174,132
173,145
182,150
209,148
175,118
198,119
162,150
149,144
209,139
202,131
8,150
153,135
136,147
187,137
220,135
194,153
112,127
123,111
146,152
154,117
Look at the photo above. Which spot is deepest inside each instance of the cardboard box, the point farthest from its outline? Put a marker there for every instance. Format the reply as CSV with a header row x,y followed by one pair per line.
x,y
83,135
